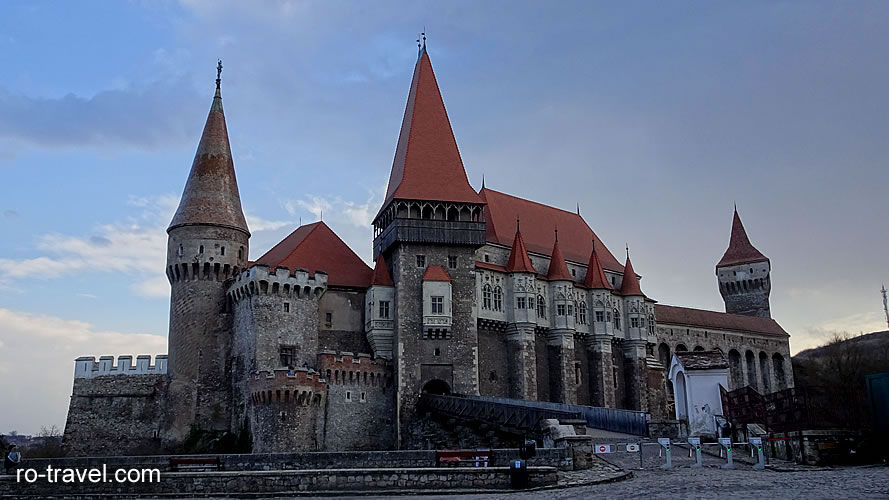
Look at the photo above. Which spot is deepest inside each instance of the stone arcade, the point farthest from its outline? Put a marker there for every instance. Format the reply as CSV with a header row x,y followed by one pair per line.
x,y
473,292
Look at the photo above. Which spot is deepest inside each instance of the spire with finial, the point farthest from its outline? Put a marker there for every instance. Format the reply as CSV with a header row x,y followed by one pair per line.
x,y
595,274
211,192
740,250
558,269
578,208
483,181
519,262
630,283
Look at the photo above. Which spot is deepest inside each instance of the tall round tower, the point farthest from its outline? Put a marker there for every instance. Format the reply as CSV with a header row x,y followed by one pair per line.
x,y
744,275
207,244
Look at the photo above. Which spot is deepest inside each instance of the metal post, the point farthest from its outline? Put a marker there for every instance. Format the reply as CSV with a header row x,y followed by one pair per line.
x,y
695,442
727,444
760,460
665,444
641,463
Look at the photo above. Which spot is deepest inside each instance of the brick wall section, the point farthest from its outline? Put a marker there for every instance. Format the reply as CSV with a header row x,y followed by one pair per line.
x,y
457,363
115,415
584,389
494,375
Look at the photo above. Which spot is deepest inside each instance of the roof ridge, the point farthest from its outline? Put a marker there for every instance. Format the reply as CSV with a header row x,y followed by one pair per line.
x,y
536,203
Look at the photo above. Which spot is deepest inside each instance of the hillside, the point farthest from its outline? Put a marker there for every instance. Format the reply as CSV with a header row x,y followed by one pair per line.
x,y
875,342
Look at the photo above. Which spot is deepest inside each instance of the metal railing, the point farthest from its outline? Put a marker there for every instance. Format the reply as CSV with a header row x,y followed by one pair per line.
x,y
609,419
506,414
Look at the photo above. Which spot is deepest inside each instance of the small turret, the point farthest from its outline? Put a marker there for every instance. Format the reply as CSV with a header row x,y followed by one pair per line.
x,y
380,315
744,275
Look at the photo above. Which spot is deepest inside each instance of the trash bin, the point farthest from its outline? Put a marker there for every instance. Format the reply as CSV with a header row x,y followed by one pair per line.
x,y
518,475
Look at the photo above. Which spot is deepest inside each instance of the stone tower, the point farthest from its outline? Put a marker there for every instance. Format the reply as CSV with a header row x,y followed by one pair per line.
x,y
207,244
428,230
744,275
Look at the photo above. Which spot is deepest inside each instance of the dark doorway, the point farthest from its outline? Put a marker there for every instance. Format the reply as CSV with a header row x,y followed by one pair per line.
x,y
436,386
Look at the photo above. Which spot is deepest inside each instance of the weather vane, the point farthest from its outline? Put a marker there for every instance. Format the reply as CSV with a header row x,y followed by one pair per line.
x,y
218,73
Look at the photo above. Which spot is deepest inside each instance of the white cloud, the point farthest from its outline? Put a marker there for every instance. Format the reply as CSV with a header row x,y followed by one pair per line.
x,y
37,355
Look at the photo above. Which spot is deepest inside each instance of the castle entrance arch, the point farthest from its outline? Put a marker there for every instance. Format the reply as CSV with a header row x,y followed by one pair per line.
x,y
437,386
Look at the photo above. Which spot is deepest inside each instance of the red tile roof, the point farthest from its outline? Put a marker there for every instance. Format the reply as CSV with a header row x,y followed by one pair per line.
x,y
595,275
211,192
436,273
427,163
519,262
558,270
740,250
687,316
381,273
630,283
538,222
317,248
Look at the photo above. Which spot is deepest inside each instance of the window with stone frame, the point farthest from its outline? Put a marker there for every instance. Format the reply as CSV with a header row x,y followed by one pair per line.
x,y
287,355
571,310
531,303
486,297
287,307
452,261
421,261
560,309
634,322
384,309
600,316
616,320
328,319
608,316
498,298
520,302
651,325
437,305
541,306
582,313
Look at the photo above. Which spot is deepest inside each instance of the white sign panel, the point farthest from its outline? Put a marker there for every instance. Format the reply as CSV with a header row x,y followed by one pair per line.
x,y
632,448
756,441
727,442
694,441
663,441
603,448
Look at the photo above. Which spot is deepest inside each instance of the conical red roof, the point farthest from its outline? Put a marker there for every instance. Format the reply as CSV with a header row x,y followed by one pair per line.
x,y
519,262
595,275
381,274
316,247
211,192
630,283
740,250
427,163
558,270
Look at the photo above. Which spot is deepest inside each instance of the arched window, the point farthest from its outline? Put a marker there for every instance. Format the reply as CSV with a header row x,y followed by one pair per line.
x,y
616,319
541,307
498,298
581,310
486,296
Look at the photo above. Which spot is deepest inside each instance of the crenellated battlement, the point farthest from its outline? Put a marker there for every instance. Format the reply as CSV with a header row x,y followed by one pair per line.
x,y
346,368
261,279
88,367
301,386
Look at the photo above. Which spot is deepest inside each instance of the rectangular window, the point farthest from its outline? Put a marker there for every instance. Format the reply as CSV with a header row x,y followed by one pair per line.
x,y
384,309
287,307
531,303
363,397
560,309
520,302
328,319
571,310
421,261
452,261
600,316
437,305
634,322
287,355
348,395
487,258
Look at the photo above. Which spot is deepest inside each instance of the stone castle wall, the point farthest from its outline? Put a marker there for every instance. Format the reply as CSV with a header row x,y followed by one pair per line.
x,y
346,329
360,411
115,410
287,410
493,370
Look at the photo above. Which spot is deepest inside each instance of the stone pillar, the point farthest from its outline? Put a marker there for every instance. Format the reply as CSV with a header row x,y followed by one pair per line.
x,y
601,370
560,347
522,361
657,389
635,375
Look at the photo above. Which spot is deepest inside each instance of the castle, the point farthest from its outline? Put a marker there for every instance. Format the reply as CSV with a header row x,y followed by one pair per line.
x,y
472,292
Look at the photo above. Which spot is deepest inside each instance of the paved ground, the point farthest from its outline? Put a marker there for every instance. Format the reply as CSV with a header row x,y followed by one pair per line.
x,y
682,482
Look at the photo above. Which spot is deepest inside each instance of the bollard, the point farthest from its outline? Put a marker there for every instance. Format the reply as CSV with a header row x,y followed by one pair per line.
x,y
695,442
727,444
665,444
760,459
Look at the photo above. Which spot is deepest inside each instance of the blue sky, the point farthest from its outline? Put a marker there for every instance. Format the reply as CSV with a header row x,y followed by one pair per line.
x,y
654,116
